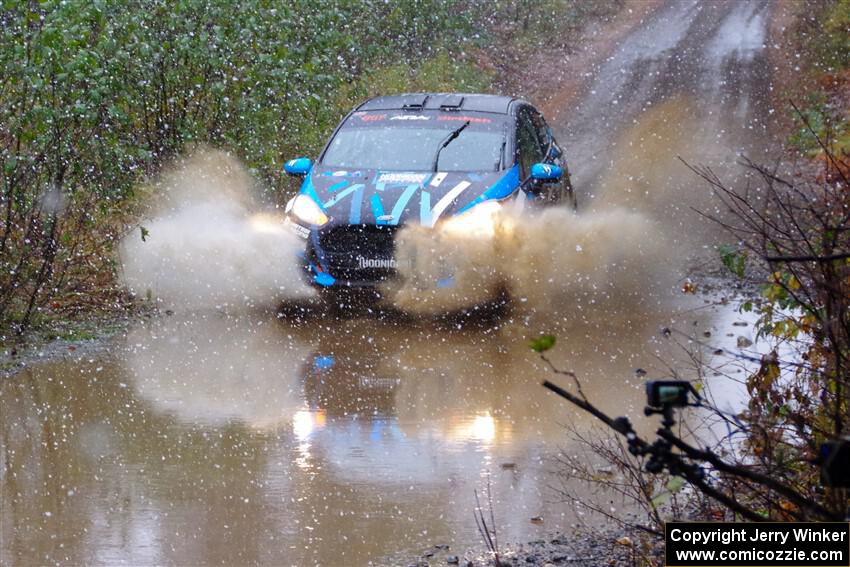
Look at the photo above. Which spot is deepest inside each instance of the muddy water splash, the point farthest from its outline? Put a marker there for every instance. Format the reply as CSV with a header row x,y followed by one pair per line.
x,y
207,246
555,261
213,368
636,232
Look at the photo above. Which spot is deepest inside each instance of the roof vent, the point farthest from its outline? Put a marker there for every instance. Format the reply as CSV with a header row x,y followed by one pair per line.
x,y
414,103
451,102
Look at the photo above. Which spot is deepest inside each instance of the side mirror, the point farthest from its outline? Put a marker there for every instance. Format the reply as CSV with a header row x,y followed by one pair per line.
x,y
545,172
298,166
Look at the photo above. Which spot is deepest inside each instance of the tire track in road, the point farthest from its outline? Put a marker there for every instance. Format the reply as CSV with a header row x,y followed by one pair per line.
x,y
693,82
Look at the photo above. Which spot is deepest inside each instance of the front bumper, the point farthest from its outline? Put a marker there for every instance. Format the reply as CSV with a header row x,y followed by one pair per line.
x,y
352,256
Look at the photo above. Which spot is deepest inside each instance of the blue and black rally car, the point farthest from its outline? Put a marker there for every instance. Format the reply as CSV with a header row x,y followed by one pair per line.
x,y
418,158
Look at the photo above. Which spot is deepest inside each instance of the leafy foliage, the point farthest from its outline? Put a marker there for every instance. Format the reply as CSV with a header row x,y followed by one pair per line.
x,y
97,95
823,36
835,46
797,233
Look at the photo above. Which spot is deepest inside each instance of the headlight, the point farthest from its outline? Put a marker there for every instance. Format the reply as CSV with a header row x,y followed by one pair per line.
x,y
305,209
479,221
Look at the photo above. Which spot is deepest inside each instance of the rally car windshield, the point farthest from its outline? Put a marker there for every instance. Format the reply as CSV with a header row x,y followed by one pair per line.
x,y
410,142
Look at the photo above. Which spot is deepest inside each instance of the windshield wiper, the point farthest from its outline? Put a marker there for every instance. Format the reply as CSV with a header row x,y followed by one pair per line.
x,y
448,141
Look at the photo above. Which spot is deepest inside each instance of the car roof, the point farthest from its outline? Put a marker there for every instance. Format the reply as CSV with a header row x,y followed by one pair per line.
x,y
436,101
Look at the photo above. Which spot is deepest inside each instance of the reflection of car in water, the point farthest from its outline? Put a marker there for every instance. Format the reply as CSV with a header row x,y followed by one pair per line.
x,y
430,159
345,385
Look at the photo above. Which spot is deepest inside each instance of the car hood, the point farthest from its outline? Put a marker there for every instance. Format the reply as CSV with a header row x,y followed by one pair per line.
x,y
368,196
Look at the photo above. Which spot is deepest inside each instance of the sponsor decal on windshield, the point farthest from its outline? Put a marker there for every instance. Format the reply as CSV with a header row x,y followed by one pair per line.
x,y
342,173
410,117
402,178
470,119
373,117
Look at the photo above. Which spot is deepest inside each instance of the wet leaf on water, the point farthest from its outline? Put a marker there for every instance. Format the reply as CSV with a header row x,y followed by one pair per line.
x,y
734,260
674,485
145,233
542,343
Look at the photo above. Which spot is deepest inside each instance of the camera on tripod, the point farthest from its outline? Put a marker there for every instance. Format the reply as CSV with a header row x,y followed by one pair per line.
x,y
662,394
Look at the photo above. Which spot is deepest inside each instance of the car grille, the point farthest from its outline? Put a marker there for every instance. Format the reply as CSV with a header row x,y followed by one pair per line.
x,y
355,252
359,238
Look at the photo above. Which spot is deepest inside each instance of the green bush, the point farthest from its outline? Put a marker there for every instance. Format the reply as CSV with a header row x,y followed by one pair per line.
x,y
822,34
95,95
835,41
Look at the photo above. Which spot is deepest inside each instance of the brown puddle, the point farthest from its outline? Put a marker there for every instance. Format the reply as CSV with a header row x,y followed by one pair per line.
x,y
242,440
